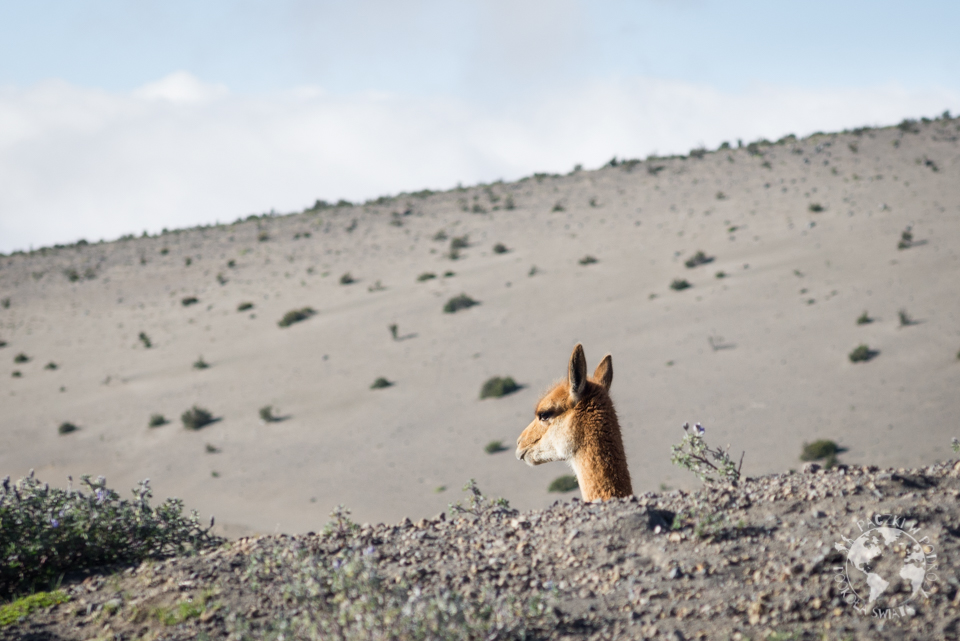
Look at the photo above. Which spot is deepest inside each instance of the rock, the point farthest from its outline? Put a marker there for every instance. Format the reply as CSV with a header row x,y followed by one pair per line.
x,y
810,467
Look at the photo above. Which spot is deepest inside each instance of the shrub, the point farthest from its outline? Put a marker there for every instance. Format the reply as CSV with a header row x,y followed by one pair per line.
x,y
380,383
393,331
906,239
680,284
558,207
242,307
347,279
189,300
721,274
448,274
200,363
494,447
50,365
565,483
231,263
5,302
459,302
816,208
267,415
196,418
46,532
861,354
588,260
698,259
709,464
508,203
21,358
156,420
905,319
440,235
496,387
3,343
17,374
500,248
295,316
426,276
210,448
819,450
864,319
263,236
145,340
67,428
187,261
222,279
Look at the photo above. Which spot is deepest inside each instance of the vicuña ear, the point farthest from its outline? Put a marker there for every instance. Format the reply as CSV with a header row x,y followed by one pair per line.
x,y
577,373
604,372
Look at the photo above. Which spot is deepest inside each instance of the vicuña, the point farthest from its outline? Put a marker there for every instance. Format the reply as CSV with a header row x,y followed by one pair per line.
x,y
575,422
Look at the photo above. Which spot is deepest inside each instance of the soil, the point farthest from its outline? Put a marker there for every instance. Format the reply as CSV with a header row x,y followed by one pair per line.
x,y
754,561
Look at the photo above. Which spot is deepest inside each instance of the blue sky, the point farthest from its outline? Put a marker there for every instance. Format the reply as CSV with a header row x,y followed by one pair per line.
x,y
121,116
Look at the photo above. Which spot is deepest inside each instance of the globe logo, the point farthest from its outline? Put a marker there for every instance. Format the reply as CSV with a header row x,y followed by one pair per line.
x,y
886,567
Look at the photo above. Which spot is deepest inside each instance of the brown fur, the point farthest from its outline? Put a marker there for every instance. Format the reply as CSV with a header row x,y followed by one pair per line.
x,y
575,421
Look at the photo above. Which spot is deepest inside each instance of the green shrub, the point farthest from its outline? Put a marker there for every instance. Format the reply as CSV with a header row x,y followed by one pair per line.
x,y
67,428
17,374
459,302
196,418
426,276
21,358
189,300
493,447
46,532
588,260
210,448
242,307
449,274
156,420
200,363
905,319
558,206
3,343
460,242
187,261
861,354
565,483
500,248
440,235
295,316
819,450
864,319
14,611
380,383
347,279
267,415
147,344
496,387
50,365
816,208
680,284
698,259
721,274
5,302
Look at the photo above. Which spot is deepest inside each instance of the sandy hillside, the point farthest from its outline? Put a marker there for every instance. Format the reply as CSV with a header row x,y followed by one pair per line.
x,y
758,356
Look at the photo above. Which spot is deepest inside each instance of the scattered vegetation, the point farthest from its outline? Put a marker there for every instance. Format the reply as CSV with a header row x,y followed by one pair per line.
x,y
189,300
496,387
380,383
500,248
67,428
347,279
680,284
816,208
906,239
862,353
588,260
145,340
494,447
295,316
156,420
267,415
21,608
565,483
480,505
51,365
21,358
46,532
709,464
242,307
864,318
263,236
196,418
457,303
905,319
821,450
200,363
698,259
426,276
720,274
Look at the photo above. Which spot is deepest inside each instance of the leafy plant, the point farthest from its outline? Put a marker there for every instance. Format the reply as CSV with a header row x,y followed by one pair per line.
x,y
565,483
861,354
21,358
819,450
196,418
816,208
680,284
147,343
480,505
187,301
46,532
200,363
698,259
457,303
709,464
156,420
67,428
495,447
380,383
50,365
347,279
295,316
242,307
864,319
588,260
496,387
500,248
558,206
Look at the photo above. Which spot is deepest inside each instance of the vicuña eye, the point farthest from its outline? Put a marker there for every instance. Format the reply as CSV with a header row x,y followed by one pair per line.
x,y
543,416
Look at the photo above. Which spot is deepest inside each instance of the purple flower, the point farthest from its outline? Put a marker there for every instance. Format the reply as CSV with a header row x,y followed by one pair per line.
x,y
700,429
54,522
101,495
337,563
370,550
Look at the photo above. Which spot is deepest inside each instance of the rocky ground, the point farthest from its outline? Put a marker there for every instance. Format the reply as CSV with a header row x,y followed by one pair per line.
x,y
755,561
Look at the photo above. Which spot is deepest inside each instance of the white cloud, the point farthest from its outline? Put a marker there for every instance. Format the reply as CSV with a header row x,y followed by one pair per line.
x,y
78,162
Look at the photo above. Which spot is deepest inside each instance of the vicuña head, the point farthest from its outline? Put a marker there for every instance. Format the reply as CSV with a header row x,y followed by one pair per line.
x,y
575,422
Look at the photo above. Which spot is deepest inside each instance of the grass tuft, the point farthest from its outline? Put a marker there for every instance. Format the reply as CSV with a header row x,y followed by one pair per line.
x,y
494,447
565,483
457,303
200,363
680,284
864,318
380,383
242,307
156,420
189,300
295,316
67,428
862,353
496,387
196,418
588,260
699,258
20,609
